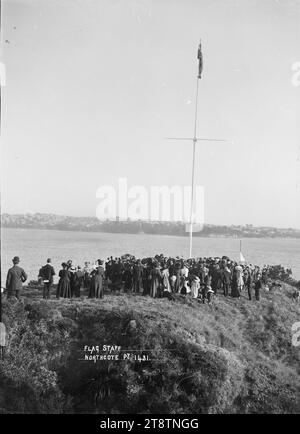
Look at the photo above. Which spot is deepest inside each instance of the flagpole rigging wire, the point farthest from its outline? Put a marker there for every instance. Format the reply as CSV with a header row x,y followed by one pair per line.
x,y
196,111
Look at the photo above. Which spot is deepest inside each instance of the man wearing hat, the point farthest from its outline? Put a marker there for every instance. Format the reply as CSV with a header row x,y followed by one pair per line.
x,y
15,277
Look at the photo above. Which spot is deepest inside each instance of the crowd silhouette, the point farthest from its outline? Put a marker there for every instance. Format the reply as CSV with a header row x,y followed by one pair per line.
x,y
157,277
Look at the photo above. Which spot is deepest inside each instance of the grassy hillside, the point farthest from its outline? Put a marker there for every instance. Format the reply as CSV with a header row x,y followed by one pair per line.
x,y
234,357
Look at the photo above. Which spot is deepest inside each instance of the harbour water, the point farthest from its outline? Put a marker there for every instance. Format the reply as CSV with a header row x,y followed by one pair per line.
x,y
34,246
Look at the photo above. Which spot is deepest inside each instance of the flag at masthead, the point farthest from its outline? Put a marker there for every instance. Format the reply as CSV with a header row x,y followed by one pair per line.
x,y
200,57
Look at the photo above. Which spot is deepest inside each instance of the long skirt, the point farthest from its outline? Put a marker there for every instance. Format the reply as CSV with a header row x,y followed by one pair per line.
x,y
172,283
166,283
96,288
146,286
154,288
177,283
195,290
64,288
236,290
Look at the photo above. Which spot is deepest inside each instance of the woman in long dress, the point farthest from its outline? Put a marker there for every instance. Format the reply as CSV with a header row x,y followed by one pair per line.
x,y
155,274
172,282
165,275
195,287
177,285
184,272
64,288
237,282
146,280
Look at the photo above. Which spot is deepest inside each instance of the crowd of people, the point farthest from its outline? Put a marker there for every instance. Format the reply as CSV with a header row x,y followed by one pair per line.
x,y
159,276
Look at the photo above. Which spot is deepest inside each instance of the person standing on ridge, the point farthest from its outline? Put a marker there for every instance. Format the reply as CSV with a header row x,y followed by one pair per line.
x,y
46,273
16,276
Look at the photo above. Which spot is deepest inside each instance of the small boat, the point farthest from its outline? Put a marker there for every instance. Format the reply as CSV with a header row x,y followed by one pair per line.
x,y
242,257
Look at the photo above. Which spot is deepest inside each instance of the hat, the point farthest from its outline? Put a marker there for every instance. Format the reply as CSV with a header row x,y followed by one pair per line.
x,y
16,259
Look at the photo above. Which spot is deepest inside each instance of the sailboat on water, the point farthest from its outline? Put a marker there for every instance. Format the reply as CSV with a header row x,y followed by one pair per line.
x,y
242,257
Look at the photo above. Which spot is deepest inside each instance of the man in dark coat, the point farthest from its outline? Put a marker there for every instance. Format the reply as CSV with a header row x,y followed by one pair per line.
x,y
116,274
127,277
96,285
15,277
216,277
258,287
73,279
78,281
201,273
248,279
46,273
226,276
138,277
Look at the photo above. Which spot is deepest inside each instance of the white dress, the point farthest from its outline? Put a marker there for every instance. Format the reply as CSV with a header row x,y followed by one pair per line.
x,y
195,288
165,280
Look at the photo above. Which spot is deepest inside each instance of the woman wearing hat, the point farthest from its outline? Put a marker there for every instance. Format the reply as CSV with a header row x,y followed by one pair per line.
x,y
63,287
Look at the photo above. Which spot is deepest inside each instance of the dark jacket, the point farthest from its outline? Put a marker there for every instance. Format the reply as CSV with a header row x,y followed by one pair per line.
x,y
96,285
258,285
47,273
226,277
137,272
15,277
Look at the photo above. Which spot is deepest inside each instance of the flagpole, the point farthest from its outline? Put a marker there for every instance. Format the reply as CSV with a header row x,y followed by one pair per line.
x,y
2,325
195,139
193,171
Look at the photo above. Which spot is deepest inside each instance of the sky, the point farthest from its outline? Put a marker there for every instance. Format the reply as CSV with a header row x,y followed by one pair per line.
x,y
93,88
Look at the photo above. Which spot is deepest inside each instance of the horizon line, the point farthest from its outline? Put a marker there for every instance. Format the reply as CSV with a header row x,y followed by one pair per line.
x,y
114,219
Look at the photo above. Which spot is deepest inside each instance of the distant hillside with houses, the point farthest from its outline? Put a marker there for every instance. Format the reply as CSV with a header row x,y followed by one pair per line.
x,y
92,224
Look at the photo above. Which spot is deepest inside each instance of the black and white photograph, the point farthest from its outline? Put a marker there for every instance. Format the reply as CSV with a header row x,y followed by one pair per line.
x,y
150,210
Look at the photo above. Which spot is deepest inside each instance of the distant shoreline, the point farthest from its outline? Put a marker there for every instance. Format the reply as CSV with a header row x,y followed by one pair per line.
x,y
164,228
212,236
